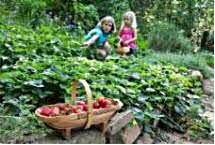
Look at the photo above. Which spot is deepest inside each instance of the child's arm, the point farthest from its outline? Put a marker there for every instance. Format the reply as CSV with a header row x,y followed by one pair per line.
x,y
91,37
120,31
91,41
119,36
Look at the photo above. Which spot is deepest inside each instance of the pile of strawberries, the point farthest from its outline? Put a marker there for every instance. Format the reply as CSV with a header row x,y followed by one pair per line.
x,y
102,103
80,107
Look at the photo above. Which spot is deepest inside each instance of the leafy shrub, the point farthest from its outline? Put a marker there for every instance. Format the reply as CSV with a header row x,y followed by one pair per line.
x,y
17,42
85,16
21,129
166,37
209,58
142,44
200,129
30,8
190,16
38,67
140,86
200,61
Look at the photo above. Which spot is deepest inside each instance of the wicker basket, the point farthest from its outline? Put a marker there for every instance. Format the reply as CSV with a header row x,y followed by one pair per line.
x,y
123,50
82,120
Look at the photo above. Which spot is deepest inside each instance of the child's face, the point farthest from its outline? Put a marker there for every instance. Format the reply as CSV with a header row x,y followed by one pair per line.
x,y
107,26
127,21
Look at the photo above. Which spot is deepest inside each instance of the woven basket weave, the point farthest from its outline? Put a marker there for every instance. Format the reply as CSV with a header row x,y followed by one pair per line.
x,y
82,120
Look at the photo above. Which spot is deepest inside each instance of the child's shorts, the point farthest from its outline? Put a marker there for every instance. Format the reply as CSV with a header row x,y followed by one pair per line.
x,y
132,50
97,53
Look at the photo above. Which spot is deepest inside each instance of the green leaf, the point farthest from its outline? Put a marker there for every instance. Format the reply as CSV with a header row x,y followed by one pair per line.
x,y
35,83
151,90
122,89
142,98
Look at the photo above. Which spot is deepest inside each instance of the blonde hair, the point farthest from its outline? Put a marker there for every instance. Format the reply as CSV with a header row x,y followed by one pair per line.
x,y
108,19
132,17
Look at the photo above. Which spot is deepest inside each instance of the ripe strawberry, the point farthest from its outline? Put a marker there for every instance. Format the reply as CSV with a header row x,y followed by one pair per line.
x,y
80,107
101,101
65,110
81,103
74,109
77,109
108,102
60,106
85,107
96,105
55,111
46,111
104,102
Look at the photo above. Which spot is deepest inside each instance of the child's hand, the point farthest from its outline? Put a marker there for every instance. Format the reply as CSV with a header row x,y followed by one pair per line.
x,y
122,43
126,42
120,40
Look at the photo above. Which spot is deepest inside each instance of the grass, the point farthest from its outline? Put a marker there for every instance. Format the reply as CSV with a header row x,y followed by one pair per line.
x,y
202,61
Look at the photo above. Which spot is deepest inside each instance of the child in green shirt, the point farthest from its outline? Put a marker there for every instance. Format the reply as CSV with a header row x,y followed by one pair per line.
x,y
97,37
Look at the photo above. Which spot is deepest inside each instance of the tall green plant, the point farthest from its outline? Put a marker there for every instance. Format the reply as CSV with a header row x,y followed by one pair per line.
x,y
167,37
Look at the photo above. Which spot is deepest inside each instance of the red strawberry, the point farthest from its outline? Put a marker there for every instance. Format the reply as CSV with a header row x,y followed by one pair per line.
x,y
101,101
96,105
55,111
105,102
65,110
108,102
74,109
80,107
81,103
77,109
46,111
60,106
85,107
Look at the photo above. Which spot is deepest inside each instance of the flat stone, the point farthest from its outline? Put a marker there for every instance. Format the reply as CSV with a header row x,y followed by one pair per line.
x,y
208,87
130,134
115,139
140,140
210,116
119,121
197,74
126,136
146,139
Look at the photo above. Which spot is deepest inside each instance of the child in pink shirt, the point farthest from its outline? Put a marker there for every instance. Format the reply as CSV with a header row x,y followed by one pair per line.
x,y
127,34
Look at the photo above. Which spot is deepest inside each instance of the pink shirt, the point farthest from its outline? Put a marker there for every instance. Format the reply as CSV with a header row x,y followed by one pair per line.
x,y
127,33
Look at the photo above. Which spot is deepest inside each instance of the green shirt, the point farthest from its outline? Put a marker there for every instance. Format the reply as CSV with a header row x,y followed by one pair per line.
x,y
102,36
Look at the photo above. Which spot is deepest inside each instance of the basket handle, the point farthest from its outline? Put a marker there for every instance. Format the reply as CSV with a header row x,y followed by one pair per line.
x,y
89,99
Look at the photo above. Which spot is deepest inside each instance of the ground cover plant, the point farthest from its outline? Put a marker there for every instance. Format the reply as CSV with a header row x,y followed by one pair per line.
x,y
40,56
202,61
142,87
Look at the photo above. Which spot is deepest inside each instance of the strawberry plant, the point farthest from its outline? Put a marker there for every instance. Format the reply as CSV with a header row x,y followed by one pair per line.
x,y
140,86
37,68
